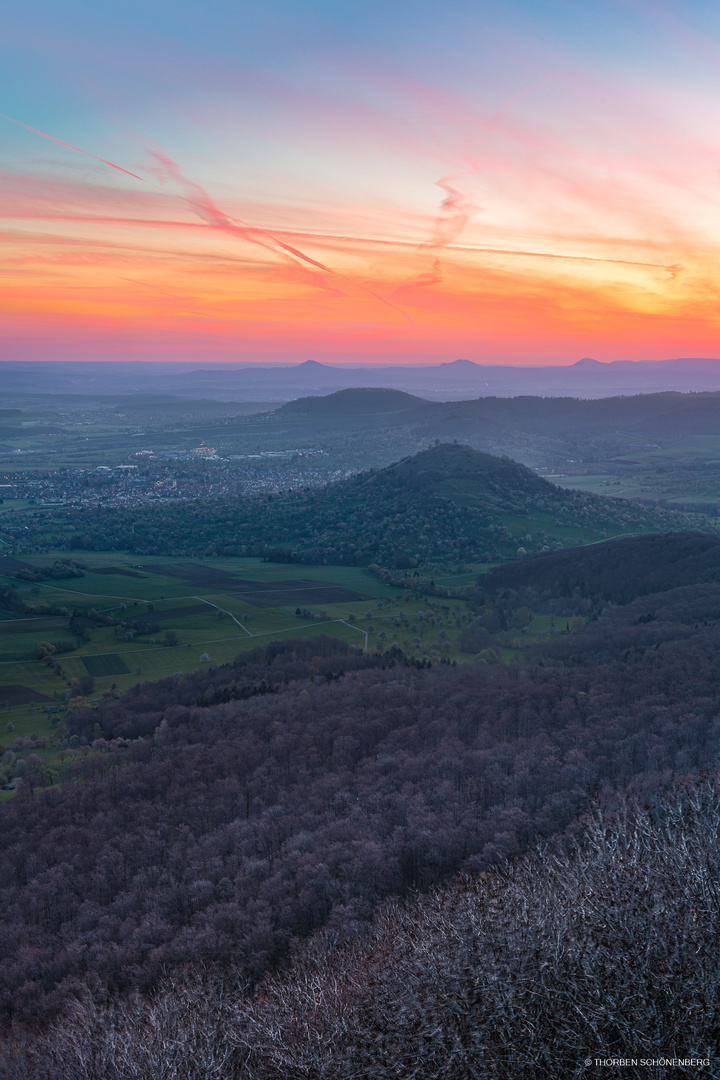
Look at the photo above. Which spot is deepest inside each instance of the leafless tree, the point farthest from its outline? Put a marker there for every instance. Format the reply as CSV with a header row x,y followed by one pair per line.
x,y
604,948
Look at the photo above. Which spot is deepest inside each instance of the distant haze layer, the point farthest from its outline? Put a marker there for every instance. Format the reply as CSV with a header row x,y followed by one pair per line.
x,y
452,381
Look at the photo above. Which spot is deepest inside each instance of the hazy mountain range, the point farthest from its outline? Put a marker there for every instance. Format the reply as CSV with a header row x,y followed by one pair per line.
x,y
276,382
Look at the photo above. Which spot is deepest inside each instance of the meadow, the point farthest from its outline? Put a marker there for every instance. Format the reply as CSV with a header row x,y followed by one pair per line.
x,y
680,473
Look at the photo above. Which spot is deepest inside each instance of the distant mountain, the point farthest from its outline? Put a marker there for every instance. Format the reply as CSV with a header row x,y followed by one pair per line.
x,y
498,419
282,382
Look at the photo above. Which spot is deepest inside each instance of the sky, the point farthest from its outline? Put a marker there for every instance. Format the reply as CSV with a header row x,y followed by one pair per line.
x,y
524,182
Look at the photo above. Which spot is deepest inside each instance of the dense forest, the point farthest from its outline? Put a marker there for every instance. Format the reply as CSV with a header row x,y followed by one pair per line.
x,y
602,946
443,507
222,816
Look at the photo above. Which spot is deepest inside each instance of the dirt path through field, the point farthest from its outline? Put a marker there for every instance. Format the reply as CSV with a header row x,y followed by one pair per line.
x,y
225,610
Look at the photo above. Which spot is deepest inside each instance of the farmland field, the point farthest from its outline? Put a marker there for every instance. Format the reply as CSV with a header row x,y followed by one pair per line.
x,y
185,611
99,664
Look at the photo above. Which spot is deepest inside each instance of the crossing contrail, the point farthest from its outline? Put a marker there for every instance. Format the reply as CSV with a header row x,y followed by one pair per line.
x,y
196,197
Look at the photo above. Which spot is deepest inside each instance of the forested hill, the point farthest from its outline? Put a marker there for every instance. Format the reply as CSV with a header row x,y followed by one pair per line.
x,y
616,571
443,507
449,985
356,404
461,473
647,414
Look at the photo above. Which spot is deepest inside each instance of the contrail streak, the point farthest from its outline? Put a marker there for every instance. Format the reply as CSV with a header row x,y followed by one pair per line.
x,y
454,213
51,138
201,202
198,198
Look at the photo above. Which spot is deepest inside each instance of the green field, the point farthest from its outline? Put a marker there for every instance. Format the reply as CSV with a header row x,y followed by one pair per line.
x,y
212,608
680,472
197,612
101,664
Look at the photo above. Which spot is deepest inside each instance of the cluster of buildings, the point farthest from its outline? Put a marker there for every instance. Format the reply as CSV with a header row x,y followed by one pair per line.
x,y
150,477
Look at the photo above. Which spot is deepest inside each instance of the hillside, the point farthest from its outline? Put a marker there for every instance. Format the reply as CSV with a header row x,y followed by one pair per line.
x,y
617,571
646,414
464,475
651,446
216,818
441,508
198,827
360,403
447,986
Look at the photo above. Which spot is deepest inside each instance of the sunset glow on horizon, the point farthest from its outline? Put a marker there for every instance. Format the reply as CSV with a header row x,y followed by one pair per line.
x,y
506,182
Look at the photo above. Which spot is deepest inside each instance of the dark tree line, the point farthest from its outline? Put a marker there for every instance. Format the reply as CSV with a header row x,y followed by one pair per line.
x,y
259,671
616,571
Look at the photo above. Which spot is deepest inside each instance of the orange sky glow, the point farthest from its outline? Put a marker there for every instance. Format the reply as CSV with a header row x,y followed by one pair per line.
x,y
568,210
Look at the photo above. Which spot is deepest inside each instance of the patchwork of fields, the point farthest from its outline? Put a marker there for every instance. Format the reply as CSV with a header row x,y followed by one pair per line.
x,y
191,613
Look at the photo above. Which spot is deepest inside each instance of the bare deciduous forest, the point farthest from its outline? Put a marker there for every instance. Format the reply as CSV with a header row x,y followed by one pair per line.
x,y
226,816
573,953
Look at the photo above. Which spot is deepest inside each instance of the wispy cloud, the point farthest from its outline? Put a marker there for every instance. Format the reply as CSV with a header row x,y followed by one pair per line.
x,y
560,210
202,204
